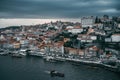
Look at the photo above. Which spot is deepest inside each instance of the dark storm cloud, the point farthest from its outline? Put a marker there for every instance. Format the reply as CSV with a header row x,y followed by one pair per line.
x,y
118,4
57,8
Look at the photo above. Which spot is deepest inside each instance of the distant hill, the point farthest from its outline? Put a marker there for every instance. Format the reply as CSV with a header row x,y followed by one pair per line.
x,y
10,27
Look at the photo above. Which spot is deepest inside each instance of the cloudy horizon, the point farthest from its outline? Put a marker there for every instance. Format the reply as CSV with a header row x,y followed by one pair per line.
x,y
55,9
21,21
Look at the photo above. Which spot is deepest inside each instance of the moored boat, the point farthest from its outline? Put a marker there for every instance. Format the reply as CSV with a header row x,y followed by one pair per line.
x,y
23,52
16,54
4,53
49,58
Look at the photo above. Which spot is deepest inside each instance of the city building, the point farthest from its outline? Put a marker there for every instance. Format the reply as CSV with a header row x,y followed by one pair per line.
x,y
115,38
75,30
87,22
86,38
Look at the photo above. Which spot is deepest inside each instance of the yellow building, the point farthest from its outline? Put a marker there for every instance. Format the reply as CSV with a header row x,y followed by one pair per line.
x,y
16,45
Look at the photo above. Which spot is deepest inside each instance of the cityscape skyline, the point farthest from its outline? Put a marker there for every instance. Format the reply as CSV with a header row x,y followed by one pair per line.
x,y
59,39
29,12
26,21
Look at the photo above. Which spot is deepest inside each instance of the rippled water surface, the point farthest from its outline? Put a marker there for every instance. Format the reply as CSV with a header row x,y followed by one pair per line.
x,y
34,68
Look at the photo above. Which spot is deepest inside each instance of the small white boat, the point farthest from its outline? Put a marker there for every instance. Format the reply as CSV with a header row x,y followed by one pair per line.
x,y
23,52
16,54
49,58
4,53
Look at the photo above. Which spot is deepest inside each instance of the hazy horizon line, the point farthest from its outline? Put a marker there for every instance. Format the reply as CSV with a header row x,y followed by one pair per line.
x,y
20,21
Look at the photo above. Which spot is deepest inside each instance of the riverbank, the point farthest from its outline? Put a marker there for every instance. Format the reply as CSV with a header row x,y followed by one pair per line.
x,y
93,63
96,63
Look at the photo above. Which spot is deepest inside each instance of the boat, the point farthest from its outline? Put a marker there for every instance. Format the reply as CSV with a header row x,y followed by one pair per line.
x,y
55,73
23,52
3,53
16,54
49,58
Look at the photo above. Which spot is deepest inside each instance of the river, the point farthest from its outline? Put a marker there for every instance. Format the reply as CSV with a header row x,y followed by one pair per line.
x,y
33,68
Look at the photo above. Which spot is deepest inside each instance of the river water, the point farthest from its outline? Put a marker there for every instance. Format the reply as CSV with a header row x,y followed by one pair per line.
x,y
34,68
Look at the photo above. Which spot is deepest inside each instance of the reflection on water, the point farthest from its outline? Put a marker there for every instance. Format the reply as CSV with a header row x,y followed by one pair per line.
x,y
33,68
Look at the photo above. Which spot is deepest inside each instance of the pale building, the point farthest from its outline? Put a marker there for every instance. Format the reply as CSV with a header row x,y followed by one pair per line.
x,y
23,42
118,25
59,47
115,38
108,39
2,37
87,22
86,38
69,27
75,30
16,45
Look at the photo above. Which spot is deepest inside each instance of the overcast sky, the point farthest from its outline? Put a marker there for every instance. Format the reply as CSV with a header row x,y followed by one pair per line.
x,y
57,8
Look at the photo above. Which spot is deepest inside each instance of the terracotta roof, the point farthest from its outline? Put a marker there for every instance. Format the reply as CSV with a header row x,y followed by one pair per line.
x,y
59,43
2,42
77,27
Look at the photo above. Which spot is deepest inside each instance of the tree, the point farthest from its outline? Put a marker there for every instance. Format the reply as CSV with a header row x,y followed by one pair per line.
x,y
51,28
106,17
96,19
68,44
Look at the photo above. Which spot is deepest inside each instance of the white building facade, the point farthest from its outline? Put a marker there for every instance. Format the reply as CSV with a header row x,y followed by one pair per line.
x,y
75,30
87,22
115,38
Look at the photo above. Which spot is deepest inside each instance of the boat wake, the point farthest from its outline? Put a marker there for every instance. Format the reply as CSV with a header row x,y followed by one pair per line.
x,y
48,72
